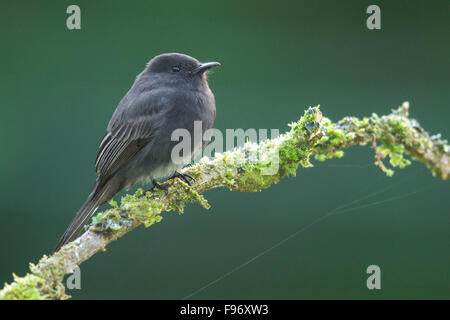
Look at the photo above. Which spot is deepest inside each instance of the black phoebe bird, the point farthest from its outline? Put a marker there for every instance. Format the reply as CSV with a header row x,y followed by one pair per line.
x,y
171,93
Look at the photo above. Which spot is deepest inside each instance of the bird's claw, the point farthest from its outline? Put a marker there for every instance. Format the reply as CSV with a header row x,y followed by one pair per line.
x,y
164,186
183,176
160,186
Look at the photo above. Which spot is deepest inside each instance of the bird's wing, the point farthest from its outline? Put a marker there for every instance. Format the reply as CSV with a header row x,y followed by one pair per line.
x,y
130,129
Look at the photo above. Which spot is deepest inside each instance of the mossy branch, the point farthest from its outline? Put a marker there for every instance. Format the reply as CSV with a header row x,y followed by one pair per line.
x,y
250,168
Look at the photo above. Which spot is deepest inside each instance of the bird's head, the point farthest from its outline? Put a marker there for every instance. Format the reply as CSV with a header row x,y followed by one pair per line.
x,y
178,68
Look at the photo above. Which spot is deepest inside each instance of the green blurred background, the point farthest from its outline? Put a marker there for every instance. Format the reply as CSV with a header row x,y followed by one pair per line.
x,y
59,88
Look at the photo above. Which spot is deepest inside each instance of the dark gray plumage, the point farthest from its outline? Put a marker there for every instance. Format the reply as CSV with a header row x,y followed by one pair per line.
x,y
172,92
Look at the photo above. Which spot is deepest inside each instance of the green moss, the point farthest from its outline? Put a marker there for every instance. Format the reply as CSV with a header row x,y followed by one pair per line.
x,y
228,177
395,135
133,207
395,152
251,179
23,288
339,154
141,208
320,157
178,197
43,283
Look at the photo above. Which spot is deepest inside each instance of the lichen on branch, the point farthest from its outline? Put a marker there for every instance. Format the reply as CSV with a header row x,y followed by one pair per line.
x,y
253,167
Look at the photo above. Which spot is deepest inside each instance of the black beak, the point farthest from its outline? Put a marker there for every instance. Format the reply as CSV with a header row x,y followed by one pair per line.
x,y
205,66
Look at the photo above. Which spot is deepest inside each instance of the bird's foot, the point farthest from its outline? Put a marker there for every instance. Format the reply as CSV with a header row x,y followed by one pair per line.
x,y
160,186
164,186
183,176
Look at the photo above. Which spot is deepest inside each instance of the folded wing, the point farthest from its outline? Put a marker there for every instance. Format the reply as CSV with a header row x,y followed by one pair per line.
x,y
131,128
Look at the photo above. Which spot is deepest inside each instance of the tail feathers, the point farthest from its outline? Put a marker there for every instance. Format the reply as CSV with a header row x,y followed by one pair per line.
x,y
99,195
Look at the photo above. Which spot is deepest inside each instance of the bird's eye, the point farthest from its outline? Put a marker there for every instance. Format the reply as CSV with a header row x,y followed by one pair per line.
x,y
175,68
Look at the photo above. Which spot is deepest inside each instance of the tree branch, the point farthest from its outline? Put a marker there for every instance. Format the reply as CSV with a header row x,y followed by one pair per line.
x,y
250,168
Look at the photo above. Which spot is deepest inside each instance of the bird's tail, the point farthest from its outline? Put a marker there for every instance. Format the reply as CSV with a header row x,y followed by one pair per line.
x,y
100,194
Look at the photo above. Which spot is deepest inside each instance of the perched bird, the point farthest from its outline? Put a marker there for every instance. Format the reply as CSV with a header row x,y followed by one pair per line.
x,y
171,93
